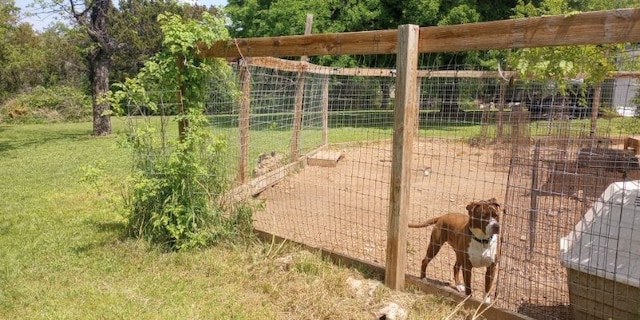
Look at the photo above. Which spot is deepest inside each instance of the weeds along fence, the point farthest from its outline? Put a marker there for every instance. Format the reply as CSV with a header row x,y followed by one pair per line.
x,y
343,158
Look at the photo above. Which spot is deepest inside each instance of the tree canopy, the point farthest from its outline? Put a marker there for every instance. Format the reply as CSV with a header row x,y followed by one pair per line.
x,y
62,53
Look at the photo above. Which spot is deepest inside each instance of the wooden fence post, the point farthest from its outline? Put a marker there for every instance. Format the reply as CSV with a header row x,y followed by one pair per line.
x,y
182,124
595,107
325,110
418,102
299,100
243,119
403,134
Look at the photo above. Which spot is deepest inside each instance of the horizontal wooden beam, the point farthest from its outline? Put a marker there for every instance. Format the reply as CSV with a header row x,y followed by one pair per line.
x,y
365,42
296,66
596,27
624,74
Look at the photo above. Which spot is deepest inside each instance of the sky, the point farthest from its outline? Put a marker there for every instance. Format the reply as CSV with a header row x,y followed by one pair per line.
x,y
40,22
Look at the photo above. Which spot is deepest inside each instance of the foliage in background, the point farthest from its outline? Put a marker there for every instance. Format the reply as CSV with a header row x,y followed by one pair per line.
x,y
590,63
254,18
176,194
40,105
29,59
134,24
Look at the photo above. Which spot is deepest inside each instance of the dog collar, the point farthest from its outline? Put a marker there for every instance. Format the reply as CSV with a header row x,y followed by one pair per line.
x,y
483,241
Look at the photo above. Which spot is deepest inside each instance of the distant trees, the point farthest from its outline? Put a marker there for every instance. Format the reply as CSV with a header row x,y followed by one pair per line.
x,y
135,26
29,59
101,45
107,43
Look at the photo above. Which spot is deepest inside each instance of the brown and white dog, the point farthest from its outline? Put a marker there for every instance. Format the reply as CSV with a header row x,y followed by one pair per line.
x,y
474,238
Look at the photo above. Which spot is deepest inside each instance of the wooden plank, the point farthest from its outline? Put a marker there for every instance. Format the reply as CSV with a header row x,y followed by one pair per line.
x,y
299,100
325,110
297,117
182,89
624,74
463,74
366,42
260,183
308,24
324,158
295,66
595,107
403,134
243,121
472,303
596,27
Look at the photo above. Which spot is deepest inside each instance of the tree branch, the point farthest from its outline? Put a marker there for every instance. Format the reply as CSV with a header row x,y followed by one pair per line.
x,y
81,17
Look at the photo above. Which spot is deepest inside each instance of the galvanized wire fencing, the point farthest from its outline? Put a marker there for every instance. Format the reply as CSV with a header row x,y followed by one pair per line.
x,y
334,195
314,144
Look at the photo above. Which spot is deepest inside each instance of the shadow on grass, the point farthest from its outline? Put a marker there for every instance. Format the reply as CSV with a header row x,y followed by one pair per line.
x,y
20,137
118,229
111,227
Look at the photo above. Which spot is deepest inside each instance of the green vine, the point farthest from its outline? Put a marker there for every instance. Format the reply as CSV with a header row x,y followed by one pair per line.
x,y
176,192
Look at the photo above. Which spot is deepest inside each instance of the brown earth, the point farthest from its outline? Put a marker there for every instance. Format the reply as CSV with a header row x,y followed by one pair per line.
x,y
344,209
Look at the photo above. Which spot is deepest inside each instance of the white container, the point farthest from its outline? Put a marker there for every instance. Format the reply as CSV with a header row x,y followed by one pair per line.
x,y
602,256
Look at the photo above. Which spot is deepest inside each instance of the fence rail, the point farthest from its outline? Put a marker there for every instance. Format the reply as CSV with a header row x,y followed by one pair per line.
x,y
597,27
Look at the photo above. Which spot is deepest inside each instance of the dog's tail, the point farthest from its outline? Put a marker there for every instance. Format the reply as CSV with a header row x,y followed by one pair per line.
x,y
425,224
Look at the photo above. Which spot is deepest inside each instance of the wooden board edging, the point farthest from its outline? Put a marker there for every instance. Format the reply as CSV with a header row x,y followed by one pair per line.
x,y
378,271
262,182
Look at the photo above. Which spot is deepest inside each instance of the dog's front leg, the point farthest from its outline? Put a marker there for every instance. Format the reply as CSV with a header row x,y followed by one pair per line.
x,y
466,276
456,276
488,281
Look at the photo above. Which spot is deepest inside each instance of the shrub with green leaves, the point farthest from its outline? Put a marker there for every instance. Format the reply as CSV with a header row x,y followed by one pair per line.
x,y
42,105
176,193
174,198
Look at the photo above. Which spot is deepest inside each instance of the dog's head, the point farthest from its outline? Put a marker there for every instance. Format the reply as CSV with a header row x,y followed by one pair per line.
x,y
485,215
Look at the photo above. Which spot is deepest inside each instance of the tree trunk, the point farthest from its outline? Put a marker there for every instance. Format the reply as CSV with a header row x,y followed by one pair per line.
x,y
99,59
99,76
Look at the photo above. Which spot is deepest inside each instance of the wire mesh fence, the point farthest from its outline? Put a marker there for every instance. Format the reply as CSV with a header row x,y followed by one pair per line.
x,y
313,144
334,193
475,140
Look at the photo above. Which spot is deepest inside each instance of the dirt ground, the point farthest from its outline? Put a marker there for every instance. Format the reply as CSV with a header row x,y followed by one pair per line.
x,y
345,208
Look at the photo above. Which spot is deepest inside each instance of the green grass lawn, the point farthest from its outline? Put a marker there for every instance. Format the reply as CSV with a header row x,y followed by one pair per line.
x,y
65,256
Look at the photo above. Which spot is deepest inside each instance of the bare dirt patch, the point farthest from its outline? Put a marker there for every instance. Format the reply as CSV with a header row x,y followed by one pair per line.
x,y
345,208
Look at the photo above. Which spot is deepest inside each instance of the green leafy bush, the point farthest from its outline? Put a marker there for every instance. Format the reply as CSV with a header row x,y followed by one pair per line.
x,y
176,196
42,105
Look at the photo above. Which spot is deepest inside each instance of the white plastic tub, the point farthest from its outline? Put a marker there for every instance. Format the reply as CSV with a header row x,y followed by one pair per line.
x,y
602,256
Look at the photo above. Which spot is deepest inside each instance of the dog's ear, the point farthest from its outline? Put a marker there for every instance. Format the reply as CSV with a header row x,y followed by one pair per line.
x,y
471,206
494,202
